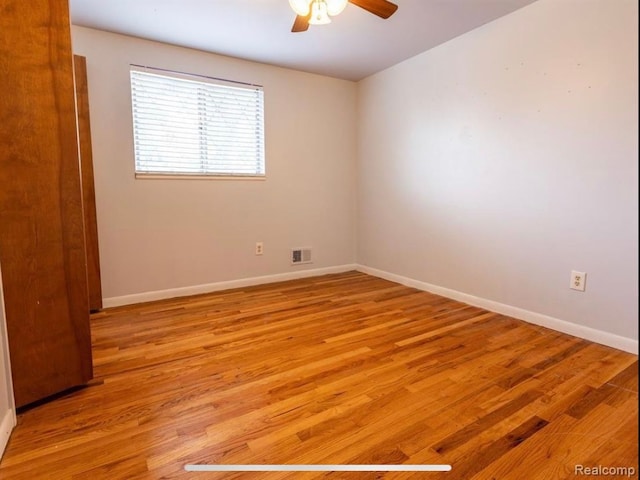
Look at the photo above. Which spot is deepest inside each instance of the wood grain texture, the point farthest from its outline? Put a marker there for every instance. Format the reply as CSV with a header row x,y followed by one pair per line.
x,y
342,368
301,23
41,236
381,8
88,187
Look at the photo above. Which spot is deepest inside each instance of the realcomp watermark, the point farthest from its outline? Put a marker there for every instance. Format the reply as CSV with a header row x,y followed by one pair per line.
x,y
602,470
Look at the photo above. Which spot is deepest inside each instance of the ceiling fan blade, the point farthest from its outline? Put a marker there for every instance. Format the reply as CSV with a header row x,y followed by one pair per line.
x,y
381,8
301,24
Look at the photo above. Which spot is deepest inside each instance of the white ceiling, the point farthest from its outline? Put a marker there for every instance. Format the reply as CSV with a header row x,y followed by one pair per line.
x,y
355,45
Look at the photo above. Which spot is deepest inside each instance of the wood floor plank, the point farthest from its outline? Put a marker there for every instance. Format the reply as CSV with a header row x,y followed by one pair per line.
x,y
343,368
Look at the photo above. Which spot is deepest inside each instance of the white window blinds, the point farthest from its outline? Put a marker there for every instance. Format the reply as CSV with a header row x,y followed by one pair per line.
x,y
196,126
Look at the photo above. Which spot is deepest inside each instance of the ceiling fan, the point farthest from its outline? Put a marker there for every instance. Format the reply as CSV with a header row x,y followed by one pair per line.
x,y
317,12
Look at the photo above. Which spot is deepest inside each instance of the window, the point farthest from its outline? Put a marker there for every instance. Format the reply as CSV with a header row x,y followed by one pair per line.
x,y
196,126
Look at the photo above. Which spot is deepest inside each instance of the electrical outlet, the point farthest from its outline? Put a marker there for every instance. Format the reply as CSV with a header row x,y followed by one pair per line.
x,y
259,248
578,280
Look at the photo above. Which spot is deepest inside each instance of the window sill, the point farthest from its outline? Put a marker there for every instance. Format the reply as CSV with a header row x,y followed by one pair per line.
x,y
162,176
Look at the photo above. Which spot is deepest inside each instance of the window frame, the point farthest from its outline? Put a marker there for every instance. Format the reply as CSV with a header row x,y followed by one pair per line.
x,y
199,175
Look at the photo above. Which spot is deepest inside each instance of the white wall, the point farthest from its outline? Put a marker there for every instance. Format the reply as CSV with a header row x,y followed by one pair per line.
x,y
166,234
496,163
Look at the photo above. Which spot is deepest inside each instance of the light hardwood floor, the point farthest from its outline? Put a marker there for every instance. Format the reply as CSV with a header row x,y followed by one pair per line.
x,y
343,368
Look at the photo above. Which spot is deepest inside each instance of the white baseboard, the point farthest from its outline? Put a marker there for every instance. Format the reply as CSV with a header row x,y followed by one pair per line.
x,y
605,338
8,422
225,285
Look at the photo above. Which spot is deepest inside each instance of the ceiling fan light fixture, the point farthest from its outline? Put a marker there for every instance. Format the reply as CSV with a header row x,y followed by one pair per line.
x,y
335,7
319,13
301,7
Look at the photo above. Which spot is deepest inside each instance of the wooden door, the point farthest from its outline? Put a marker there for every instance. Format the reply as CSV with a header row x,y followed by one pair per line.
x,y
42,247
88,188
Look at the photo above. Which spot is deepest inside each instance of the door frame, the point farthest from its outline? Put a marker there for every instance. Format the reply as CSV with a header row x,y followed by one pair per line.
x,y
7,417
